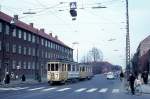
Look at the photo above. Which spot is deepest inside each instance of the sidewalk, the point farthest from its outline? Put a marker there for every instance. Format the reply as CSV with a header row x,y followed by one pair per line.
x,y
146,88
15,83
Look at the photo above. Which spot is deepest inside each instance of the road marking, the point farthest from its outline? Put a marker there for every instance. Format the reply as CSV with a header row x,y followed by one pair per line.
x,y
48,89
19,88
16,88
80,90
103,90
5,88
36,88
91,90
115,91
64,89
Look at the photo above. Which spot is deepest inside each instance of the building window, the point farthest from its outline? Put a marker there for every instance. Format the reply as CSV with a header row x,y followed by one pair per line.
x,y
0,27
24,65
33,38
42,54
0,45
33,65
45,43
37,40
19,49
14,48
42,41
29,37
0,64
19,33
25,36
45,54
37,65
38,52
33,51
13,64
7,47
24,50
7,30
29,65
14,32
19,64
29,51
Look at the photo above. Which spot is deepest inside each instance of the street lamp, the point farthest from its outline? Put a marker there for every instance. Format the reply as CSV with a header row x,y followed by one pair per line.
x,y
76,43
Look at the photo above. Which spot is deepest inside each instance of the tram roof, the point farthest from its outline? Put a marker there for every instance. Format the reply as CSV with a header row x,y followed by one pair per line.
x,y
62,60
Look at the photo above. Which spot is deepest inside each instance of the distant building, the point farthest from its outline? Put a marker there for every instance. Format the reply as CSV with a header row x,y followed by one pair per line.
x,y
26,50
141,59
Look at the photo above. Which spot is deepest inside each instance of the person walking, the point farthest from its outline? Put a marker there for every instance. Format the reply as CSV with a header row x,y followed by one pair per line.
x,y
121,76
23,78
131,80
7,78
145,77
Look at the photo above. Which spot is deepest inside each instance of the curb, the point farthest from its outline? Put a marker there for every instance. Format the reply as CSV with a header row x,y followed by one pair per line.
x,y
20,84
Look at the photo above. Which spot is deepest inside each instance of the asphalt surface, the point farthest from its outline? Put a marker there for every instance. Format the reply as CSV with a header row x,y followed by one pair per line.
x,y
97,88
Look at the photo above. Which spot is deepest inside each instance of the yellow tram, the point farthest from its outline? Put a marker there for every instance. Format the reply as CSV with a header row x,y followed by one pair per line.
x,y
62,71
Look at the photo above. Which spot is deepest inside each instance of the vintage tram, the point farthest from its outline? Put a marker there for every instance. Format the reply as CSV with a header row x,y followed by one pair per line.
x,y
63,71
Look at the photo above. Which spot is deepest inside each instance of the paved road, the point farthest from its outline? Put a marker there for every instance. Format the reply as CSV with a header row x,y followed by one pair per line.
x,y
97,88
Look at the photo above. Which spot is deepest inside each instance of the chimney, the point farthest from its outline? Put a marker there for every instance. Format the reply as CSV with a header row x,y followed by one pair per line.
x,y
50,34
42,30
31,24
56,37
16,17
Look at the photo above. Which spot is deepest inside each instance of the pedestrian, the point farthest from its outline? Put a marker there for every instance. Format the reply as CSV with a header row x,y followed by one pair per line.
x,y
138,84
131,80
7,78
121,76
23,78
145,77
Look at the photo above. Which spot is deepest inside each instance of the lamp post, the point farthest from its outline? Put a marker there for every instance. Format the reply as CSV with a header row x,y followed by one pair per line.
x,y
76,43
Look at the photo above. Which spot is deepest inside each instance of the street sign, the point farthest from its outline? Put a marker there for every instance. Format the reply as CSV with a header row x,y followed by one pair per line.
x,y
73,5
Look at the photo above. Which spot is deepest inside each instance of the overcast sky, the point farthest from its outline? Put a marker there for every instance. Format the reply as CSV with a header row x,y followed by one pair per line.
x,y
92,28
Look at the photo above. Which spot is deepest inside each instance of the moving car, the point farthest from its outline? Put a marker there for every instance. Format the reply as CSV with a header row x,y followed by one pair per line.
x,y
110,75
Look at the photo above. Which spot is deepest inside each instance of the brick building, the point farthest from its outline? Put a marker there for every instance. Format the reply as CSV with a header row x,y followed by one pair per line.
x,y
26,50
141,59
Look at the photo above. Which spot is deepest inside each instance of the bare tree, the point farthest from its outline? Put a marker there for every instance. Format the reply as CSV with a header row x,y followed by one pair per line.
x,y
93,55
96,54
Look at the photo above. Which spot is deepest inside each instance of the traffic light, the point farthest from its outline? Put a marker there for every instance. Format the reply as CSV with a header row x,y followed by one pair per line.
x,y
73,12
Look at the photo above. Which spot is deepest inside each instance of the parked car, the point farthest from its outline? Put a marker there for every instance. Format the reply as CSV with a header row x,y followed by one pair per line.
x,y
110,75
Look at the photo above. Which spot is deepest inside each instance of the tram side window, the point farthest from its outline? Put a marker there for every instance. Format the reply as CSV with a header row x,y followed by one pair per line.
x,y
83,69
69,67
52,67
48,67
63,67
77,68
73,67
56,67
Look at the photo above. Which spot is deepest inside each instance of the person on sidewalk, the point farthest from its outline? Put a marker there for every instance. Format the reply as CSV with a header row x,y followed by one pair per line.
x,y
121,76
131,80
23,78
138,84
7,78
145,77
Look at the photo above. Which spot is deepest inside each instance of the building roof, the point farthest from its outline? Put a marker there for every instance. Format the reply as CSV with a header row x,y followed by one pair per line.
x,y
27,27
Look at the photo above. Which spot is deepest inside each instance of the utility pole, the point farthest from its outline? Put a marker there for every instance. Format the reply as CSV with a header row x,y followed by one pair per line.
x,y
128,66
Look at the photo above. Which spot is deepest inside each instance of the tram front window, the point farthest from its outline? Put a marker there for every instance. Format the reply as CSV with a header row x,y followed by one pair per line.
x,y
56,67
48,67
52,67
